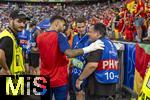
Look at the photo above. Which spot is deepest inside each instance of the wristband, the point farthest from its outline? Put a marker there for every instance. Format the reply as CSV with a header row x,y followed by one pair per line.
x,y
80,79
86,50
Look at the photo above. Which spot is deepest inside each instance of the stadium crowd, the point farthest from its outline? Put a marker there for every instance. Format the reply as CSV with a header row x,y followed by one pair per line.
x,y
116,21
117,17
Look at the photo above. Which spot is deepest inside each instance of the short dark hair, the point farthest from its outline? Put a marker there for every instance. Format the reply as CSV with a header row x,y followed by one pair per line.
x,y
18,14
53,18
100,28
80,20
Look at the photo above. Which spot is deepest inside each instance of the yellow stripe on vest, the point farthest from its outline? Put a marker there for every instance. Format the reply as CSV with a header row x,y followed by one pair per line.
x,y
17,65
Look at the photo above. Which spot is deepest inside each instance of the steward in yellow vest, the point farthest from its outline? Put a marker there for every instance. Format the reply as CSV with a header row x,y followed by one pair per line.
x,y
17,65
11,58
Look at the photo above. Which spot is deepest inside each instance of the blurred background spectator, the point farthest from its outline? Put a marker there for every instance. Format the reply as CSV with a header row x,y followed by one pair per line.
x,y
118,17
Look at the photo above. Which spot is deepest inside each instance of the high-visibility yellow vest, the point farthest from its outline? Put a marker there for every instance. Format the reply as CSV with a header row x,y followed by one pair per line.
x,y
145,92
17,66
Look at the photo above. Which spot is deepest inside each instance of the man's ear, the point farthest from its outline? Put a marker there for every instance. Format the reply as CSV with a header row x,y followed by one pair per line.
x,y
97,33
57,23
10,20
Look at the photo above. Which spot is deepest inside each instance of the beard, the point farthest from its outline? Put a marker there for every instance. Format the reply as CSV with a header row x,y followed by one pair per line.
x,y
61,30
16,28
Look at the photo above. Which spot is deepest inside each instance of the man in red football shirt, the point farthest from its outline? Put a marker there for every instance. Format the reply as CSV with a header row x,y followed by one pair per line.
x,y
54,50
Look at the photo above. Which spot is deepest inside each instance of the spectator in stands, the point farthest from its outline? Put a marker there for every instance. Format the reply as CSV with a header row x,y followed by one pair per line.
x,y
139,19
129,29
97,13
148,33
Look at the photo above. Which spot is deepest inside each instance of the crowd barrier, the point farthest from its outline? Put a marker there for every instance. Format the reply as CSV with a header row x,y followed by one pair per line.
x,y
134,59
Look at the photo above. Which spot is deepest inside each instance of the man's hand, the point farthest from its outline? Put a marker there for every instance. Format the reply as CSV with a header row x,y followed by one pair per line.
x,y
94,46
5,72
5,69
34,49
78,84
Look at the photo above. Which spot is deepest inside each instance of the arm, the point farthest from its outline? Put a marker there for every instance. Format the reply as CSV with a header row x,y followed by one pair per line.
x,y
73,53
141,10
6,46
92,59
122,30
124,24
65,48
88,70
3,61
97,45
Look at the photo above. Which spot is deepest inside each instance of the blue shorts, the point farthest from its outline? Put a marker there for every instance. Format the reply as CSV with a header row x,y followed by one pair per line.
x,y
139,21
60,93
